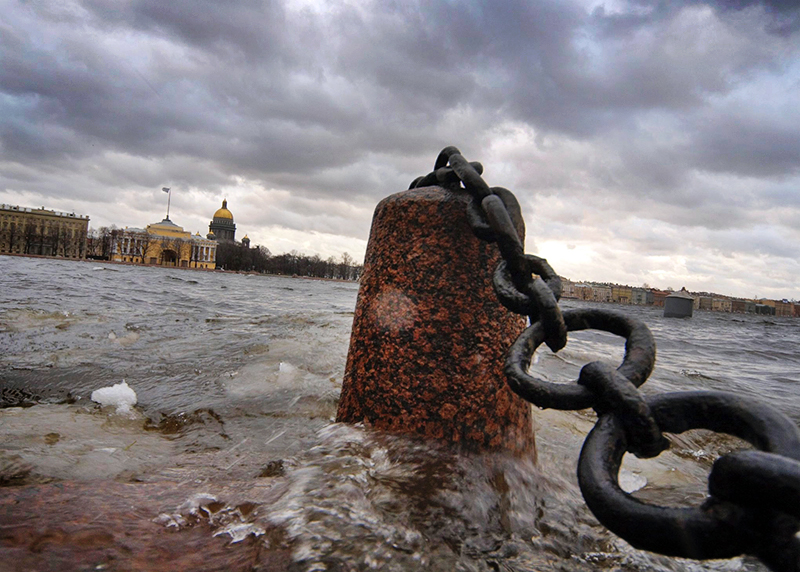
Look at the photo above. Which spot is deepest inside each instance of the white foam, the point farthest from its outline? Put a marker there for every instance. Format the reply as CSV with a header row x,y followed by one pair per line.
x,y
119,395
287,374
241,530
286,367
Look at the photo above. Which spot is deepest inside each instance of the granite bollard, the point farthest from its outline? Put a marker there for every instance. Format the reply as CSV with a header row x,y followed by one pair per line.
x,y
429,337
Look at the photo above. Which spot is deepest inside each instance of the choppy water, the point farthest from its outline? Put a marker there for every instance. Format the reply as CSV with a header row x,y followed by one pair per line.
x,y
238,377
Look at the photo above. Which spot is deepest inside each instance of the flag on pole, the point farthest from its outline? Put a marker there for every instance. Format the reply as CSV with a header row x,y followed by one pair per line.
x,y
165,189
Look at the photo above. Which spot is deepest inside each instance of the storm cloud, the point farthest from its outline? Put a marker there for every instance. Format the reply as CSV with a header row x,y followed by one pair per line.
x,y
652,142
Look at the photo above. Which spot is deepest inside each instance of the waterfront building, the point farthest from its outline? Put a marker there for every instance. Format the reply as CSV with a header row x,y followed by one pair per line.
x,y
163,244
721,305
738,306
638,296
784,308
568,288
582,291
45,232
659,296
601,293
704,303
621,294
221,226
765,309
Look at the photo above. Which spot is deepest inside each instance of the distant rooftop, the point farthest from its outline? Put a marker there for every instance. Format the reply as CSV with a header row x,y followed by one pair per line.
x,y
167,222
41,211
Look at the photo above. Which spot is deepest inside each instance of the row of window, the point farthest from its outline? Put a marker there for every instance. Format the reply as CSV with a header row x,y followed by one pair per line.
x,y
133,246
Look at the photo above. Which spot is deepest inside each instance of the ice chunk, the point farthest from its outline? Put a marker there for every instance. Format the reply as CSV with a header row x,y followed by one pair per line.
x,y
119,395
631,482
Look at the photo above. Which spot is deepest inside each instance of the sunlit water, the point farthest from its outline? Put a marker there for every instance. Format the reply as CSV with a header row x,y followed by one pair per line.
x,y
237,379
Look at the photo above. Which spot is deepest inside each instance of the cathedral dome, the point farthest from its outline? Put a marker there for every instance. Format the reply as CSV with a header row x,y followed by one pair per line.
x,y
224,212
222,227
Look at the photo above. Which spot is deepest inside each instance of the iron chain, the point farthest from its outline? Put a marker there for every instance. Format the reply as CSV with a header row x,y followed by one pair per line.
x,y
754,496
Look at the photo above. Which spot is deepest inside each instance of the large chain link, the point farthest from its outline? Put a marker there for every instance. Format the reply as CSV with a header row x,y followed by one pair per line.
x,y
754,496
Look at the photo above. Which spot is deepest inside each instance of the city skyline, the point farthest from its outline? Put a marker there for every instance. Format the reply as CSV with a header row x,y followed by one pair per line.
x,y
646,141
24,237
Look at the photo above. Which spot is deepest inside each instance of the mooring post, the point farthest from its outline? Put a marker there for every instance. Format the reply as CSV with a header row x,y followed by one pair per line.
x,y
429,337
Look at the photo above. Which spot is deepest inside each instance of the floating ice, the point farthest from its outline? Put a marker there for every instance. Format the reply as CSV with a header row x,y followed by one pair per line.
x,y
119,395
630,482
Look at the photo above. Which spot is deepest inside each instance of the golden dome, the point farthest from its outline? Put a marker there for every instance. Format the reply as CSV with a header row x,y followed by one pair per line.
x,y
224,212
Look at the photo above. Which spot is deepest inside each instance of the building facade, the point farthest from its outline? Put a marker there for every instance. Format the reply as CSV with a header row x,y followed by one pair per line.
x,y
221,226
721,305
621,294
638,296
163,244
24,230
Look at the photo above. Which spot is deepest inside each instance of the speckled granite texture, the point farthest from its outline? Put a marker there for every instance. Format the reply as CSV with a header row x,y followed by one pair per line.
x,y
429,336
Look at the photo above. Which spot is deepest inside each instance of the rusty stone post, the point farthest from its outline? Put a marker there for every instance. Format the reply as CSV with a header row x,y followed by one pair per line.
x,y
429,336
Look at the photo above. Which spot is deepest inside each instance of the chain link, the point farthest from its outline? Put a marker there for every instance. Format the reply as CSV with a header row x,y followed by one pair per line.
x,y
754,502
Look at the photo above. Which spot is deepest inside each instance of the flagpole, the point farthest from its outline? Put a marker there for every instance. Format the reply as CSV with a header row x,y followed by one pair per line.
x,y
169,198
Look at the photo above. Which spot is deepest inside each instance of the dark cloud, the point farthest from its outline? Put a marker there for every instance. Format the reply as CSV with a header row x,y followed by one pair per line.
x,y
674,112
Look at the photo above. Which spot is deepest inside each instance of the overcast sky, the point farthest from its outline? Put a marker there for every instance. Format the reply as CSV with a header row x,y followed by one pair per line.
x,y
648,142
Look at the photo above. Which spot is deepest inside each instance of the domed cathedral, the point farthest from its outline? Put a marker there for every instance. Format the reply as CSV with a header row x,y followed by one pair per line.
x,y
222,227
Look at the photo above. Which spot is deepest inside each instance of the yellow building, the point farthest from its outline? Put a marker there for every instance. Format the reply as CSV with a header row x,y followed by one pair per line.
x,y
24,230
164,244
621,294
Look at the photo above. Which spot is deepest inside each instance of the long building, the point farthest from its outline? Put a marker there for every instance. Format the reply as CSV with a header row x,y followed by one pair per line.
x,y
164,244
44,232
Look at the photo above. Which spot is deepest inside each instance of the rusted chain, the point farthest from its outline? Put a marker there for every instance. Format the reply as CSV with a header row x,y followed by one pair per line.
x,y
754,503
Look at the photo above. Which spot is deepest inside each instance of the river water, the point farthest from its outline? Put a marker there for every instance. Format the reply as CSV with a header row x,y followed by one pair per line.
x,y
237,379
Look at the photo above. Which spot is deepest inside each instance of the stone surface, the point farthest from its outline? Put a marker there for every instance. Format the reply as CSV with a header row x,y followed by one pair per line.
x,y
107,525
429,336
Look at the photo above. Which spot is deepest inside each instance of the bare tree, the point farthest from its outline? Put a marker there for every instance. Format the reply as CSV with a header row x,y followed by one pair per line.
x,y
171,246
165,243
92,243
344,266
81,243
142,242
106,237
29,237
54,238
13,236
42,237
